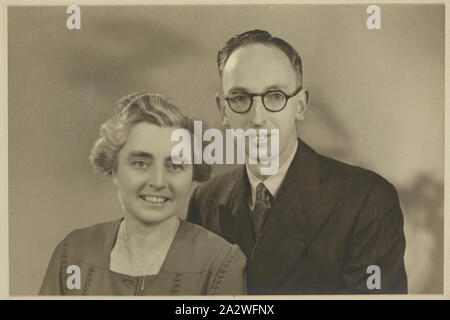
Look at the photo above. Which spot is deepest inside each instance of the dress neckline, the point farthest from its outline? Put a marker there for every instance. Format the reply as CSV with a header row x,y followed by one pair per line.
x,y
170,256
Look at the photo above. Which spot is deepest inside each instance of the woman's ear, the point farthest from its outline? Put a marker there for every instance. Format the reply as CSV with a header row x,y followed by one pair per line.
x,y
221,106
303,101
113,176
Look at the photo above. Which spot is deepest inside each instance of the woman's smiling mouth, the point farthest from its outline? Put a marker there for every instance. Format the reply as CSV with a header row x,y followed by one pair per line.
x,y
157,200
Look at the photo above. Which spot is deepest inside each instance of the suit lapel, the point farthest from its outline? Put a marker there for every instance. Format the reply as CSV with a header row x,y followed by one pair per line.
x,y
235,223
295,218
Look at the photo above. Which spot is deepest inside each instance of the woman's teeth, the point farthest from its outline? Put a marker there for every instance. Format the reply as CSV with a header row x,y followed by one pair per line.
x,y
153,199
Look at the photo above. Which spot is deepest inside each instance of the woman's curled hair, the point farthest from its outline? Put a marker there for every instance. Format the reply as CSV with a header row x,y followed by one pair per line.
x,y
129,111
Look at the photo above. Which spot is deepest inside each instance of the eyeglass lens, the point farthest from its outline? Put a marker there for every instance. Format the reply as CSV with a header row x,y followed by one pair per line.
x,y
273,100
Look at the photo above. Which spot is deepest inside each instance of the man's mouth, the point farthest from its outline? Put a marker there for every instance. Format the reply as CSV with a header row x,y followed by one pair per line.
x,y
260,139
158,200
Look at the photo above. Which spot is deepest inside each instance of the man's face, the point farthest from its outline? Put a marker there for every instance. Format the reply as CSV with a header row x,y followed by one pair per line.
x,y
151,187
257,68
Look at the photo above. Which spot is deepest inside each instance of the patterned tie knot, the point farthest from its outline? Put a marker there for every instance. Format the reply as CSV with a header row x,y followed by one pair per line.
x,y
262,193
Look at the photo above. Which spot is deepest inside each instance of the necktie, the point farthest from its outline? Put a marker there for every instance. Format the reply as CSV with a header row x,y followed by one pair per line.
x,y
262,206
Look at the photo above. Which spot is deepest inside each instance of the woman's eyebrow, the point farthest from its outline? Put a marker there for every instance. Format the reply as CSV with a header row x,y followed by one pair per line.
x,y
140,154
171,159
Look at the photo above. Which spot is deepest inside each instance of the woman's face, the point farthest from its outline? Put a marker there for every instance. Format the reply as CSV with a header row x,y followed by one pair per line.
x,y
151,188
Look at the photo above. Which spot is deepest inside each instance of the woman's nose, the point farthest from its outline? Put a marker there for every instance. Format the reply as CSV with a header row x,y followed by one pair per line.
x,y
157,179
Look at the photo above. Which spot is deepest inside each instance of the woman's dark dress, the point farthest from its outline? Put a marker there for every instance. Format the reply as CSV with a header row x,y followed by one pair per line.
x,y
199,262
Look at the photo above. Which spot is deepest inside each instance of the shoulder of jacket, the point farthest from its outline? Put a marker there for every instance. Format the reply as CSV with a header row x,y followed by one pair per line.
x,y
357,177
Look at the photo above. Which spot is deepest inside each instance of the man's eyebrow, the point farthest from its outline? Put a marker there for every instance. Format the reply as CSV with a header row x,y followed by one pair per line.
x,y
277,87
272,87
237,89
139,154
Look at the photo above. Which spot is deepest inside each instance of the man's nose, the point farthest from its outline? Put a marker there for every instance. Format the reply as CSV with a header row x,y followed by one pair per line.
x,y
157,178
257,112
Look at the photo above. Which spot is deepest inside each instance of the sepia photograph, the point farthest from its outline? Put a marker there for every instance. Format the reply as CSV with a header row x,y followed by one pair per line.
x,y
226,149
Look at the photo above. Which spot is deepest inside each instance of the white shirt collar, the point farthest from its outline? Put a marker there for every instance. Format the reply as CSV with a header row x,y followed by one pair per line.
x,y
272,183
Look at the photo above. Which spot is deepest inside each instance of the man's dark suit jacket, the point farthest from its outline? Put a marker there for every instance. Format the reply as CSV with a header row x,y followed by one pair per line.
x,y
329,222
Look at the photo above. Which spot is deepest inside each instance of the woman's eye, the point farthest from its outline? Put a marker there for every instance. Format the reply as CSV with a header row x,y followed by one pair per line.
x,y
140,164
176,167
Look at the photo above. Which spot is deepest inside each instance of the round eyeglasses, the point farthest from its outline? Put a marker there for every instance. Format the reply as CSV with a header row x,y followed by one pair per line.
x,y
273,100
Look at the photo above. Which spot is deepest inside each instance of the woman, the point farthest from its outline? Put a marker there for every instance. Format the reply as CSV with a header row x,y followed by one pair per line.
x,y
150,251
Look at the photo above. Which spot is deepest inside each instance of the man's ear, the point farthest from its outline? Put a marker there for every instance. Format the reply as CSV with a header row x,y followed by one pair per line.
x,y
220,104
303,102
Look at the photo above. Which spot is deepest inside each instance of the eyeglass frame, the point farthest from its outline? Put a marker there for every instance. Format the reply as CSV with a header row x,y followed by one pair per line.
x,y
262,95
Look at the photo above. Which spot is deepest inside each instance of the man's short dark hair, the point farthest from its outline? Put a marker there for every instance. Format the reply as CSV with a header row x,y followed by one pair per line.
x,y
263,37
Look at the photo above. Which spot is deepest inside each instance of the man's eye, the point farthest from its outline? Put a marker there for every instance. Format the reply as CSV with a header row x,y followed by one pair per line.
x,y
276,95
239,97
140,164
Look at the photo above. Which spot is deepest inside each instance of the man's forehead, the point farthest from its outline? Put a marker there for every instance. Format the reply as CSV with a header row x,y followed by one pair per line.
x,y
256,53
257,65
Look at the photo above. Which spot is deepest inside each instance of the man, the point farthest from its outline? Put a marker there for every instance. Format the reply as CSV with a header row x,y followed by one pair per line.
x,y
317,226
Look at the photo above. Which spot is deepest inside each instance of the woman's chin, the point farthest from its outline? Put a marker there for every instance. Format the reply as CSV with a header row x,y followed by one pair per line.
x,y
148,212
153,216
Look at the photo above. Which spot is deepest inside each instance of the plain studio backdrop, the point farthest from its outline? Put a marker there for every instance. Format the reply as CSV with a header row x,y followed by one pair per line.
x,y
377,101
